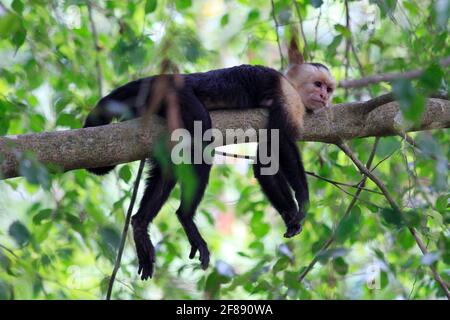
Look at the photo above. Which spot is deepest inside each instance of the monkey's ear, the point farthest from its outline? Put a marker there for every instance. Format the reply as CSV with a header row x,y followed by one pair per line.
x,y
294,54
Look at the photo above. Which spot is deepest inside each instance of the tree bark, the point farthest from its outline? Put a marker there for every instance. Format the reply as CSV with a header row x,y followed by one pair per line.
x,y
129,141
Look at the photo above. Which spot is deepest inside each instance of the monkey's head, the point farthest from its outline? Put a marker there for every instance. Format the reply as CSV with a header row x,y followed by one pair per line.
x,y
313,81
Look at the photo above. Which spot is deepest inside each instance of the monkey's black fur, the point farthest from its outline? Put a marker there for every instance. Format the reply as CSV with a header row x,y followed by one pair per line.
x,y
240,87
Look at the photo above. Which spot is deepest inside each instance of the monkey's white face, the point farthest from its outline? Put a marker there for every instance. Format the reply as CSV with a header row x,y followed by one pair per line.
x,y
315,85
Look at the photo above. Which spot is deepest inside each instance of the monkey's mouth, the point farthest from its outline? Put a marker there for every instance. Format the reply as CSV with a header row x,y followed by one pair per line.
x,y
321,102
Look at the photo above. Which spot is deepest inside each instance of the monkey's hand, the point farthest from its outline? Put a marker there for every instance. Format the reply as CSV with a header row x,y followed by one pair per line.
x,y
204,254
145,252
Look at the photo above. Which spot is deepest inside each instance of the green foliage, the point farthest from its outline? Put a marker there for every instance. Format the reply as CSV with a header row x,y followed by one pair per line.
x,y
19,233
59,233
150,6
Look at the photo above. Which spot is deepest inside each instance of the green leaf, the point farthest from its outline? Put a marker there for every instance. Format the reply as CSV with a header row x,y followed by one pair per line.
x,y
9,24
331,50
258,226
388,145
348,225
34,172
62,101
19,233
386,6
392,217
18,38
281,264
384,279
412,104
290,280
183,4
212,284
252,16
110,240
125,173
42,215
431,78
340,266
18,6
442,203
260,230
150,6
4,126
405,239
224,20
11,27
37,122
343,30
68,120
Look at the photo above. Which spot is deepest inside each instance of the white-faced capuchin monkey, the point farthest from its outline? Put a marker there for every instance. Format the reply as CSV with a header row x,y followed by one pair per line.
x,y
303,87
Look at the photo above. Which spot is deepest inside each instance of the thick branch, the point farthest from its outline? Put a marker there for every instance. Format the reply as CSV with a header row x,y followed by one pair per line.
x,y
126,141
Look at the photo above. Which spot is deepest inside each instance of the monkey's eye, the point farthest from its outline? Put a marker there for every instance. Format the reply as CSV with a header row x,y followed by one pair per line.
x,y
329,89
318,84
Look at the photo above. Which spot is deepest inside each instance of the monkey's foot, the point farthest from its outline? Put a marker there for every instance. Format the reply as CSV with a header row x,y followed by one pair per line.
x,y
292,230
146,255
293,225
204,255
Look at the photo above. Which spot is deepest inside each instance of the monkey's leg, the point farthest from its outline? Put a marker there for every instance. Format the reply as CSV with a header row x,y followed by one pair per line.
x,y
193,111
292,167
277,190
290,171
156,193
186,212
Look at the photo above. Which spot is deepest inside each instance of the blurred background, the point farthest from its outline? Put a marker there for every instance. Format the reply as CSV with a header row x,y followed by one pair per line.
x,y
59,232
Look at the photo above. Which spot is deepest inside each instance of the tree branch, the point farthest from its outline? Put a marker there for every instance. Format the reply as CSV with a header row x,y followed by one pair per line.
x,y
129,141
355,198
387,77
364,170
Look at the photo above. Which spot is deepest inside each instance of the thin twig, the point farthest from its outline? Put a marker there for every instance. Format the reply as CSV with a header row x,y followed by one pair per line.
x,y
383,160
387,77
347,44
8,250
125,230
396,208
316,31
306,54
347,212
310,173
342,183
276,32
413,143
97,50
